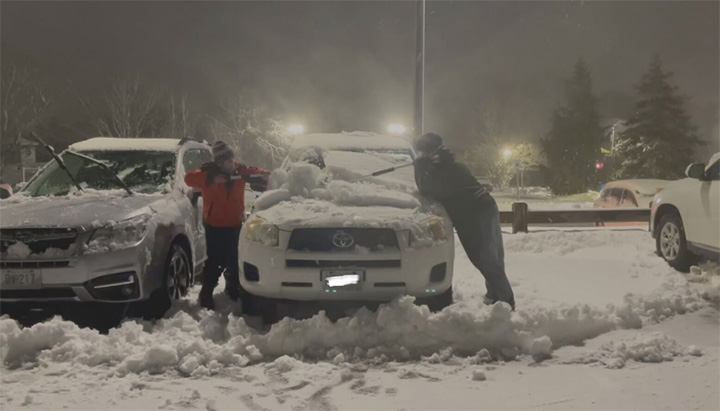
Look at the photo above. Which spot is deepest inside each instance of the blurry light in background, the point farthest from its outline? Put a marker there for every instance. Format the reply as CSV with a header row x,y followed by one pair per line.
x,y
507,153
396,129
296,129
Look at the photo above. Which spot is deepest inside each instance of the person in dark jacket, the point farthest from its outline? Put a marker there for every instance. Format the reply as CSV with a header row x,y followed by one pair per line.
x,y
471,208
222,183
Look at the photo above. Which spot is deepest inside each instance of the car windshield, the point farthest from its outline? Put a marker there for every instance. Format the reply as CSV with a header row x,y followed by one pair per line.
x,y
145,172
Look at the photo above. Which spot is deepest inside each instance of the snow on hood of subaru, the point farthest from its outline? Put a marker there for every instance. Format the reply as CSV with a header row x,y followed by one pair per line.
x,y
73,210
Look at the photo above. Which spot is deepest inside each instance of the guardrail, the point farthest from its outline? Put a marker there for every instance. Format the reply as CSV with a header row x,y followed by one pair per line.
x,y
520,216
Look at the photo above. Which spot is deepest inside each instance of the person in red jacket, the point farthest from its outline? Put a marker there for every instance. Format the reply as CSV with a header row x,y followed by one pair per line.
x,y
222,184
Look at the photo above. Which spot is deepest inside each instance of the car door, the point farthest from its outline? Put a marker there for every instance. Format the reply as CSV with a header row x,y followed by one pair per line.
x,y
193,158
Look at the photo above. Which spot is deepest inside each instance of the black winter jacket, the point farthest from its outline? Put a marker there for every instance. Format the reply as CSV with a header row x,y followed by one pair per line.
x,y
451,184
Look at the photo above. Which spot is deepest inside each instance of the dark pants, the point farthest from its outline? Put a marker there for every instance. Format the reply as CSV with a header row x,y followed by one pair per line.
x,y
481,238
222,251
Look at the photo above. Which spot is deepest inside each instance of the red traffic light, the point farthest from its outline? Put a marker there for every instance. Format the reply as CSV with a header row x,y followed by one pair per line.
x,y
599,165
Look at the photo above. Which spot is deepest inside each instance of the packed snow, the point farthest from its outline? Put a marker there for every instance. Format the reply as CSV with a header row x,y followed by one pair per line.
x,y
126,144
598,298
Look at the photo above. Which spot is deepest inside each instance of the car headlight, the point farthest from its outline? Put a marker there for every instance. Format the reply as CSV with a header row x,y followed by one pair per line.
x,y
428,232
260,231
117,236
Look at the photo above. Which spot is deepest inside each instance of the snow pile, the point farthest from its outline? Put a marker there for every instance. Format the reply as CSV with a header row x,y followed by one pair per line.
x,y
21,251
205,343
653,348
566,242
708,278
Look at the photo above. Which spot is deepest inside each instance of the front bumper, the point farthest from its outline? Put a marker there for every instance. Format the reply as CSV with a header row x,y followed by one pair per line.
x,y
273,272
84,278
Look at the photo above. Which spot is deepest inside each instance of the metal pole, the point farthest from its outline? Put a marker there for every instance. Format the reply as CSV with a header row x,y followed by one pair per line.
x,y
517,182
419,102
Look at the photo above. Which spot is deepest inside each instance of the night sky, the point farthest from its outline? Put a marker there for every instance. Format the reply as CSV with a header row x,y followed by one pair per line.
x,y
349,65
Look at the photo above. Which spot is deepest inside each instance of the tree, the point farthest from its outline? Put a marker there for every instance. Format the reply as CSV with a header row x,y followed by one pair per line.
x,y
256,137
659,139
181,119
23,104
572,146
130,109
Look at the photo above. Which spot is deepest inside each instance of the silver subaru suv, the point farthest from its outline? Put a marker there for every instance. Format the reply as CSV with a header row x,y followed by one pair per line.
x,y
110,221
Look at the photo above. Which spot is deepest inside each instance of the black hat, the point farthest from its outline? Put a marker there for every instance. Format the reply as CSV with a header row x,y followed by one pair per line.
x,y
221,151
428,142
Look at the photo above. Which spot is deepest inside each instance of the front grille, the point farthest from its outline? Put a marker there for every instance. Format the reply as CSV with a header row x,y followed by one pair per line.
x,y
34,264
342,264
37,294
342,239
38,240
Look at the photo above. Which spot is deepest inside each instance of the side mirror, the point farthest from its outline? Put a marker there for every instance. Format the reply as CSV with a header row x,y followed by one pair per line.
x,y
696,171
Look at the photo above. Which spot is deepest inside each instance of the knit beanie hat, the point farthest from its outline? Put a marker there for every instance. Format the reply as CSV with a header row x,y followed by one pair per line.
x,y
221,151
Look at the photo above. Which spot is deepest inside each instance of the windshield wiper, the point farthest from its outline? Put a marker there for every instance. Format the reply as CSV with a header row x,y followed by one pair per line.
x,y
103,165
58,160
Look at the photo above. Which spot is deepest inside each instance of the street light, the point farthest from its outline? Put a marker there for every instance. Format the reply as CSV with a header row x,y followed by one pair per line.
x,y
396,129
296,129
507,153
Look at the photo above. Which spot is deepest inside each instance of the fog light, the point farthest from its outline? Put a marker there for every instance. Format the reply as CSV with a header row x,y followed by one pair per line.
x,y
437,274
127,290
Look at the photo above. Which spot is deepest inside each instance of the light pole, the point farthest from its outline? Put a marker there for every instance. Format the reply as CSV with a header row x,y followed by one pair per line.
x,y
419,103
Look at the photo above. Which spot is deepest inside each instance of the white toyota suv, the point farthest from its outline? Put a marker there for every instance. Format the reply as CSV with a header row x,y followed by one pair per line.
x,y
327,233
685,221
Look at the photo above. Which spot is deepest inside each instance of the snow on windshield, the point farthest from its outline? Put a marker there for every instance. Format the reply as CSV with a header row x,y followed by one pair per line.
x,y
143,171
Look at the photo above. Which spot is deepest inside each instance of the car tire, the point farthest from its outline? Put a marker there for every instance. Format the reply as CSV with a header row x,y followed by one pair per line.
x,y
266,308
438,302
175,284
671,243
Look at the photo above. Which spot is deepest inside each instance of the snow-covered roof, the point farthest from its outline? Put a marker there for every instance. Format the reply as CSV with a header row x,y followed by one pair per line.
x,y
356,140
127,144
648,187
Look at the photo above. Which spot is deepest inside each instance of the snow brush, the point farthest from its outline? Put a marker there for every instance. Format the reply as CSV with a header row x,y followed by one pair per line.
x,y
381,172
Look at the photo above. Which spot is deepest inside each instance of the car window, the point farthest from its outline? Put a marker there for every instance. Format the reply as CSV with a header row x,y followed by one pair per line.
x,y
195,158
713,173
628,199
615,196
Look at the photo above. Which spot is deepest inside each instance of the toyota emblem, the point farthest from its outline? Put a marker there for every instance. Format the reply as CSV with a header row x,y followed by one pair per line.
x,y
341,239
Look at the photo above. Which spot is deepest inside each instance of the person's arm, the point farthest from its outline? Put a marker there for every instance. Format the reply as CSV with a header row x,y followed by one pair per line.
x,y
196,178
255,176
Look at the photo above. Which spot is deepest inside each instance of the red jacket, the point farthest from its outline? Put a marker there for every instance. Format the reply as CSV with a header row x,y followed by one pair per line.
x,y
223,204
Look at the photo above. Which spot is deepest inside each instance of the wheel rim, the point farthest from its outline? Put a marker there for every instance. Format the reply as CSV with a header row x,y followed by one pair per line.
x,y
177,282
670,241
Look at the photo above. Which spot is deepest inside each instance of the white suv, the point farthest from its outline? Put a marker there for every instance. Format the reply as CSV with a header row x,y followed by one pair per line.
x,y
685,221
327,234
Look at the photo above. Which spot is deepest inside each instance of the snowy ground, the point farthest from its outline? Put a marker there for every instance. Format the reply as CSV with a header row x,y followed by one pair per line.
x,y
602,323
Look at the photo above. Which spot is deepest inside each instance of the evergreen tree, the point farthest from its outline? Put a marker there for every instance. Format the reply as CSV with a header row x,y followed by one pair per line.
x,y
572,146
660,139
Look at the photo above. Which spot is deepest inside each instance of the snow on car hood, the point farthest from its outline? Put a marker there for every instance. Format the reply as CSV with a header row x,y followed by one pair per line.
x,y
308,196
74,210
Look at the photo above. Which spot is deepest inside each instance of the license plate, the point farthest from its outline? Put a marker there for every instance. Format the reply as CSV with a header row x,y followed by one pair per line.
x,y
342,279
10,279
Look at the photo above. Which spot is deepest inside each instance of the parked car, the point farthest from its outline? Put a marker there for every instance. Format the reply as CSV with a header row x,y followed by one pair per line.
x,y
629,193
326,233
685,219
114,223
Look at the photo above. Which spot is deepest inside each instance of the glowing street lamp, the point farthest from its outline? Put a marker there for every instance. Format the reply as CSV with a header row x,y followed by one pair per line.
x,y
296,129
396,129
507,153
